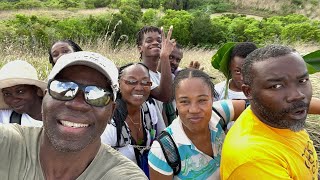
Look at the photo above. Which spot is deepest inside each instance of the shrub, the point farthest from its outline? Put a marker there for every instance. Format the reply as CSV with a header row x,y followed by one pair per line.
x,y
131,9
181,21
201,30
27,4
151,17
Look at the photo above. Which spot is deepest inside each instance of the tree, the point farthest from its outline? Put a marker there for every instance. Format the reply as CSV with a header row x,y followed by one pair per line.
x,y
181,21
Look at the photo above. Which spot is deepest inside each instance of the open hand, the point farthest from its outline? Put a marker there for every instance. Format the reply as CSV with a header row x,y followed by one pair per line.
x,y
195,65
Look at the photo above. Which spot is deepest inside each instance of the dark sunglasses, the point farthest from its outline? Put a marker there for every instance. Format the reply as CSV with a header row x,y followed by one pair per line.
x,y
133,82
67,90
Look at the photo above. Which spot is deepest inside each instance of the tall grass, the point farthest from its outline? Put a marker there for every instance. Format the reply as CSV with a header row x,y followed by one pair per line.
x,y
126,53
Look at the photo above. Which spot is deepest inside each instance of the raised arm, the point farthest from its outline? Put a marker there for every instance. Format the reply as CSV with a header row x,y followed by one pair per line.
x,y
314,107
239,107
163,91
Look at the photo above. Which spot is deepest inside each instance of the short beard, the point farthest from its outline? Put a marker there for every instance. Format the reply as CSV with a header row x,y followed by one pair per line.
x,y
276,119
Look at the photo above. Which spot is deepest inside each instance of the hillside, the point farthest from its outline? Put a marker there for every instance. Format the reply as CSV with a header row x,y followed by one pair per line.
x,y
262,8
309,8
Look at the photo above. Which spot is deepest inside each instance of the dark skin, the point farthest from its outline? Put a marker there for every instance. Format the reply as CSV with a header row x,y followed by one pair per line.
x,y
24,99
59,49
236,76
72,149
194,103
276,90
152,51
135,96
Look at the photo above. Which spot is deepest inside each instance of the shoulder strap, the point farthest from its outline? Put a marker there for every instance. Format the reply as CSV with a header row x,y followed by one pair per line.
x,y
170,151
147,116
222,121
15,117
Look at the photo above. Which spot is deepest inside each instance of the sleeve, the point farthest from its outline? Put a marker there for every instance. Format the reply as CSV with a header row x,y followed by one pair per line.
x,y
225,108
261,169
109,136
157,161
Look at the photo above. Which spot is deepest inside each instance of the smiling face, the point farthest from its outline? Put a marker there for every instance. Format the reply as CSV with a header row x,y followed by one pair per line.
x,y
73,125
151,45
236,76
194,103
22,98
59,49
135,95
280,91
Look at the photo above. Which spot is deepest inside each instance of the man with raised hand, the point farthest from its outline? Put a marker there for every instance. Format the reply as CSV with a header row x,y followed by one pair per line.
x,y
268,140
76,108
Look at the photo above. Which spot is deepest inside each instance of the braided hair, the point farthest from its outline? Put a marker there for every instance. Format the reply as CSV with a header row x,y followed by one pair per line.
x,y
193,73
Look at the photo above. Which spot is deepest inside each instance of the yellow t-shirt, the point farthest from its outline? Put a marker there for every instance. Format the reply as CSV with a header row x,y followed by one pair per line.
x,y
254,150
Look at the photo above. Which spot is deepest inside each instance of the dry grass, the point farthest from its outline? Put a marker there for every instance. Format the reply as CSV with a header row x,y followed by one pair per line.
x,y
128,54
54,13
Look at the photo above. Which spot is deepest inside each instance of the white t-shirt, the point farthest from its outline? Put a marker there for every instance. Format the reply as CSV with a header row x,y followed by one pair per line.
x,y
220,88
26,120
155,78
109,136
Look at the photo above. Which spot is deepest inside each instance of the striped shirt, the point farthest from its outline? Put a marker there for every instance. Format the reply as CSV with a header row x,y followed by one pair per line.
x,y
194,163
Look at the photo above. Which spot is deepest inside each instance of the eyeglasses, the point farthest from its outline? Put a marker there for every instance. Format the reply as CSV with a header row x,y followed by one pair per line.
x,y
133,82
67,90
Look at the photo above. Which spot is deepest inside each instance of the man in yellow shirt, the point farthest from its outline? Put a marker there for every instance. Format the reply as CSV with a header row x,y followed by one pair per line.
x,y
268,141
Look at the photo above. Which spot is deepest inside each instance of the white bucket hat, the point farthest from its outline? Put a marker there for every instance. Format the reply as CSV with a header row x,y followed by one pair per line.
x,y
17,73
90,59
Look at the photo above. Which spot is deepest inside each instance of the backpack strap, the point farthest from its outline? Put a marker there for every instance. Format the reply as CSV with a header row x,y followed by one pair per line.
x,y
170,151
222,121
147,116
15,117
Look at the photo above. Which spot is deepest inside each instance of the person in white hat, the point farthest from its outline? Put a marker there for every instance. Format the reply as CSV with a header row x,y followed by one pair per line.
x,y
76,108
21,94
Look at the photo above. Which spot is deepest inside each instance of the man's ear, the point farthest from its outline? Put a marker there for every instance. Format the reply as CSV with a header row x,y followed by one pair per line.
x,y
40,93
140,49
246,89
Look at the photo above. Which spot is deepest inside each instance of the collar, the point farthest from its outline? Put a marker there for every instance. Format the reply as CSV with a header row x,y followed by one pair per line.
x,y
180,136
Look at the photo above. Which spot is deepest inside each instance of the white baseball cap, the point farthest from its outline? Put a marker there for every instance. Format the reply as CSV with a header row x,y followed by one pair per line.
x,y
90,59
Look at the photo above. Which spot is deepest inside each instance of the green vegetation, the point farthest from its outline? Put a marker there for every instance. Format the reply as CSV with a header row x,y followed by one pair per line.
x,y
190,28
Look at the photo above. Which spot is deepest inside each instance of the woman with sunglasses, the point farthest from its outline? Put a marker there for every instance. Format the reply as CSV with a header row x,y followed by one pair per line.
x,y
137,119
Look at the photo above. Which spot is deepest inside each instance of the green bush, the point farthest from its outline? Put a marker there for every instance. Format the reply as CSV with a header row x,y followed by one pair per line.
x,y
28,4
149,4
181,21
131,9
151,17
195,29
201,30
96,3
6,6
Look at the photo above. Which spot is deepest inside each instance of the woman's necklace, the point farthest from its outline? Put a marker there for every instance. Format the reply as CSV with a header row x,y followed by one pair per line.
x,y
135,124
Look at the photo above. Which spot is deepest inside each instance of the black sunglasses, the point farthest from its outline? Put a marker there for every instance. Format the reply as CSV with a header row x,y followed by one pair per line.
x,y
67,90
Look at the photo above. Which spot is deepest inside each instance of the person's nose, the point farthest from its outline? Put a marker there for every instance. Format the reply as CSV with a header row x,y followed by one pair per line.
x,y
194,108
78,103
139,86
295,94
241,77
